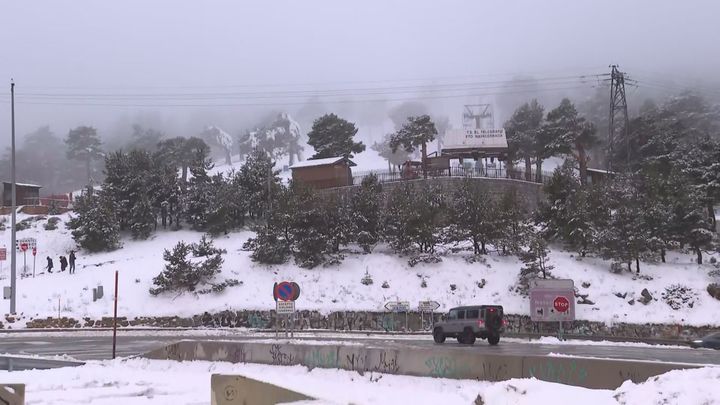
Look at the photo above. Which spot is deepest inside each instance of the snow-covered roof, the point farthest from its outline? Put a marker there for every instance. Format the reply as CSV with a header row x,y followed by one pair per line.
x,y
599,171
23,184
321,162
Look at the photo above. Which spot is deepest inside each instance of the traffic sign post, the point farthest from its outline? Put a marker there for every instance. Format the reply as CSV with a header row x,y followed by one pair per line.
x,y
552,301
427,306
34,252
398,306
285,293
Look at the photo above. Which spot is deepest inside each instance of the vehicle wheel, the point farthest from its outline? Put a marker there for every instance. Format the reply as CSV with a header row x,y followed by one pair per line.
x,y
494,339
468,337
438,335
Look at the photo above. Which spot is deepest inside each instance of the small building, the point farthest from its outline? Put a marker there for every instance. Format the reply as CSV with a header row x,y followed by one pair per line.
x,y
25,194
324,173
596,176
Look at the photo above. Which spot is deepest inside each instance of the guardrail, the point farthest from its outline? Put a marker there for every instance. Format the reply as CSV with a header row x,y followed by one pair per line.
x,y
19,363
386,176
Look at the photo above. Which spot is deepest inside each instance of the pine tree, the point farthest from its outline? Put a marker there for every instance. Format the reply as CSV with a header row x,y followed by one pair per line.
x,y
522,133
624,236
417,131
95,228
84,144
310,242
473,216
395,158
142,219
183,273
571,134
399,218
536,262
332,136
414,219
512,225
256,179
366,213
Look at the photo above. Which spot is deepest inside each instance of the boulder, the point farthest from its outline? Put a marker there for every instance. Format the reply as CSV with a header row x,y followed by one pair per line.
x,y
646,296
714,290
616,267
621,296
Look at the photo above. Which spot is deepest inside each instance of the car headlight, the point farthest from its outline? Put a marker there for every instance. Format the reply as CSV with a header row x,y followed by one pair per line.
x,y
697,341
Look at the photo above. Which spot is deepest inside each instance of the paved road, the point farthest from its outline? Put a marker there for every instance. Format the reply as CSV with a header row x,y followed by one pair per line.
x,y
100,347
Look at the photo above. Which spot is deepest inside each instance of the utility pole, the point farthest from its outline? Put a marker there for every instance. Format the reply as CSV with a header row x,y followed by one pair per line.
x,y
618,112
13,242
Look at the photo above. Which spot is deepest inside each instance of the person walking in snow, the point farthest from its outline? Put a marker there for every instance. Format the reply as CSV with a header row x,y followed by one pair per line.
x,y
63,263
49,266
72,262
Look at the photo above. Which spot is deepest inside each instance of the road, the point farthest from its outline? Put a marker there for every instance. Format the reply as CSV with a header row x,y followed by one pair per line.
x,y
99,346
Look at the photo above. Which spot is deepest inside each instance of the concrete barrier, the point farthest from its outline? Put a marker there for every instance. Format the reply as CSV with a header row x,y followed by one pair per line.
x,y
445,362
12,394
239,390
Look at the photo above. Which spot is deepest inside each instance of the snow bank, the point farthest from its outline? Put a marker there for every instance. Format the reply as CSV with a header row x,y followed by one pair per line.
x,y
142,381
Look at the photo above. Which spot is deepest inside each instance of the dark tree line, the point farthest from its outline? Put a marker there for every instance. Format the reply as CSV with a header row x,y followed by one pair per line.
x,y
144,191
313,227
661,198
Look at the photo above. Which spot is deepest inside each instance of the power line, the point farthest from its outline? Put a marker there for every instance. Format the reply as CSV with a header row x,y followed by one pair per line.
x,y
438,88
305,102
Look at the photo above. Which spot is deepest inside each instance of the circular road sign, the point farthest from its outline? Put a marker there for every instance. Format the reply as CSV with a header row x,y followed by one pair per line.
x,y
285,291
561,304
23,246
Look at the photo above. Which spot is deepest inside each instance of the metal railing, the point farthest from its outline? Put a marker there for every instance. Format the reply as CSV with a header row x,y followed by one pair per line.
x,y
386,176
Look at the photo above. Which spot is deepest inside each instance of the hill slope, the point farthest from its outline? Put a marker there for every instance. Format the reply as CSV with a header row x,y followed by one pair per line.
x,y
338,287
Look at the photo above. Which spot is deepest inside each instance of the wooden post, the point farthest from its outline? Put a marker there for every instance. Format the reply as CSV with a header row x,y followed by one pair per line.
x,y
115,316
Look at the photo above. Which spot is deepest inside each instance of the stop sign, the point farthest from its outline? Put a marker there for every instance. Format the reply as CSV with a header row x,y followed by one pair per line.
x,y
561,304
23,246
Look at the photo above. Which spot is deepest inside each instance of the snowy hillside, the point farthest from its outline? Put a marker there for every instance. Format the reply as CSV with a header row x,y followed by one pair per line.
x,y
452,282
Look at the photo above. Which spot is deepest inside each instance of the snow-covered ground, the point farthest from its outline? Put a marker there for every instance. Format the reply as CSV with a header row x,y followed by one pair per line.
x,y
142,381
337,288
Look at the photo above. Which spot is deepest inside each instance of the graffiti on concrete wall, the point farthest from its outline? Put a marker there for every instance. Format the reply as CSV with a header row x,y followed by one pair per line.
x,y
257,321
446,367
387,364
322,358
559,371
494,371
280,358
355,362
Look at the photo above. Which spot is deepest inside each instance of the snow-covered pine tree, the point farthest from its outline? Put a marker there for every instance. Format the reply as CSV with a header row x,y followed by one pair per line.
x,y
254,178
522,133
185,271
142,219
310,240
513,225
332,136
624,236
399,218
473,216
366,213
413,220
338,225
417,131
536,262
95,228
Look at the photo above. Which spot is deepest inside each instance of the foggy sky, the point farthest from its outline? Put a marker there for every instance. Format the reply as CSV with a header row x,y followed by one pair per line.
x,y
175,46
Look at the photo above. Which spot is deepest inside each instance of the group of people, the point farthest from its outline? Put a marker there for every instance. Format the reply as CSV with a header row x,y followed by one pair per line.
x,y
64,262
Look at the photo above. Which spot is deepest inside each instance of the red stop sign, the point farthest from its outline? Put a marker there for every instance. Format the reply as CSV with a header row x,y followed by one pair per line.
x,y
23,246
561,304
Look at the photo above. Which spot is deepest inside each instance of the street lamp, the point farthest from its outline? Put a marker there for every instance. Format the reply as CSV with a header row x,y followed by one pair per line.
x,y
13,281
